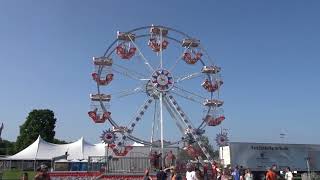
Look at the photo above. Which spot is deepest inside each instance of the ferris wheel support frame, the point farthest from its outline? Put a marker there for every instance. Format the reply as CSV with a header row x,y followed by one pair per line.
x,y
173,103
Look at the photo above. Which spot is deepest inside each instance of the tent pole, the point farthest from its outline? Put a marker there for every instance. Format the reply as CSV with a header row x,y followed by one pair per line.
x,y
51,164
34,165
107,160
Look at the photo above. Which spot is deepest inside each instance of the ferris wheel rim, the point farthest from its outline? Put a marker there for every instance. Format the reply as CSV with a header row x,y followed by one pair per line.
x,y
108,54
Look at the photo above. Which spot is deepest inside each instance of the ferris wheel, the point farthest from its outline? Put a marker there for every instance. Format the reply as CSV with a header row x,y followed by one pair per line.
x,y
172,72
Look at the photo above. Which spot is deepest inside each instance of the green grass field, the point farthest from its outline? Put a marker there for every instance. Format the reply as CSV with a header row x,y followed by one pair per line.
x,y
16,174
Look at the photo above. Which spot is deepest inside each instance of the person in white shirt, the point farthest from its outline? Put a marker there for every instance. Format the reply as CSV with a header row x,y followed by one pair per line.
x,y
248,175
288,175
191,173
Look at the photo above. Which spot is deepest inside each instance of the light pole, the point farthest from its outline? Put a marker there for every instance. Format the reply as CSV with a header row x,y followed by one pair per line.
x,y
282,137
222,141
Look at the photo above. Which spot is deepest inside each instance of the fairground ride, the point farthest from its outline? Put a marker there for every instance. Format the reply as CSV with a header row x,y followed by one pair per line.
x,y
159,62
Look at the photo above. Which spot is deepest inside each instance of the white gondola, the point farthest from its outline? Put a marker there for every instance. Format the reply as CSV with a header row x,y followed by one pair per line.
x,y
125,36
211,69
120,129
100,97
192,43
102,61
213,102
156,31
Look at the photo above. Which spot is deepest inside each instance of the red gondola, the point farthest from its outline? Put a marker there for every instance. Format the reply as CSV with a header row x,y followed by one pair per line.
x,y
156,45
191,57
214,121
117,152
211,87
106,81
97,118
125,52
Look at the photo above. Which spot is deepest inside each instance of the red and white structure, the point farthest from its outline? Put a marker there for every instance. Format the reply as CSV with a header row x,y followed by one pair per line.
x,y
162,61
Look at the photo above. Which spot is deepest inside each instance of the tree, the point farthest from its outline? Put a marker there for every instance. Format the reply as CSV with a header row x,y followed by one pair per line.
x,y
209,147
39,122
7,147
58,141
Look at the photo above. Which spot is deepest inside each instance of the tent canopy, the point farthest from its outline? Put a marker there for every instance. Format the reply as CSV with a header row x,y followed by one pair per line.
x,y
78,150
42,150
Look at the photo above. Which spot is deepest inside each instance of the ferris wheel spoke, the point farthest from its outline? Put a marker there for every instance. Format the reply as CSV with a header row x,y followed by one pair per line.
x,y
139,114
190,94
188,77
161,50
129,73
177,60
187,97
146,62
128,92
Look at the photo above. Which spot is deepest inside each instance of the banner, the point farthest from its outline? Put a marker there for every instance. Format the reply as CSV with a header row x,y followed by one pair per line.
x,y
260,156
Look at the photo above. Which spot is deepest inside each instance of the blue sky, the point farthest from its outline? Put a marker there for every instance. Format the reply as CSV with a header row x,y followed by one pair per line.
x,y
269,52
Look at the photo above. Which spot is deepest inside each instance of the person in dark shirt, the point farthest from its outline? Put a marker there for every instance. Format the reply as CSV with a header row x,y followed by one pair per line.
x,y
161,174
42,173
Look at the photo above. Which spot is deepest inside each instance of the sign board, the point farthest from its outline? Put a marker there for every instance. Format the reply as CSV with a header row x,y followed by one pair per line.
x,y
260,156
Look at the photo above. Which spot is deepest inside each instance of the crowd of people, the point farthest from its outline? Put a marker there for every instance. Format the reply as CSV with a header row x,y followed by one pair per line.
x,y
41,174
171,173
241,173
194,172
156,159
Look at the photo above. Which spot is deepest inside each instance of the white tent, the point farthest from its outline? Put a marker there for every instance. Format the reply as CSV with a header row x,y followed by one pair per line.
x,y
78,150
42,150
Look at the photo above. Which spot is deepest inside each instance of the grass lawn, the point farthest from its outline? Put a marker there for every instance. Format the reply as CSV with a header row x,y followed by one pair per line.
x,y
16,174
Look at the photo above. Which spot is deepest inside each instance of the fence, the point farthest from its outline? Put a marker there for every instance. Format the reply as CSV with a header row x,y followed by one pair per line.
x,y
118,165
4,165
25,165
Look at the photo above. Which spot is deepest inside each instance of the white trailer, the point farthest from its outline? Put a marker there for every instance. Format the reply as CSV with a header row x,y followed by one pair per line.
x,y
260,156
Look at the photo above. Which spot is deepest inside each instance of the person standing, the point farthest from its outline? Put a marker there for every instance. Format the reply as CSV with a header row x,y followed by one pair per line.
x,y
191,174
224,175
161,174
236,173
146,175
24,176
248,175
288,175
271,174
174,175
215,169
42,173
169,159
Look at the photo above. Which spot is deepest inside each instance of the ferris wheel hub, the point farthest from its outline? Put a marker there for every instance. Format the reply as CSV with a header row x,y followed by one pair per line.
x,y
162,80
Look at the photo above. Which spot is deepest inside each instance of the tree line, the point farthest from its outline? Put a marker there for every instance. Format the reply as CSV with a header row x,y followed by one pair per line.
x,y
38,122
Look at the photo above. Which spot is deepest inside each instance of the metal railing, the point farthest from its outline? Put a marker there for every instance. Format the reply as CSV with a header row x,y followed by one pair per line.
x,y
118,165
